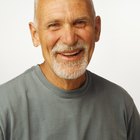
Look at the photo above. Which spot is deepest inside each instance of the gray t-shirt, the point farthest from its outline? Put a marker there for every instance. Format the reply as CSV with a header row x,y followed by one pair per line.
x,y
31,108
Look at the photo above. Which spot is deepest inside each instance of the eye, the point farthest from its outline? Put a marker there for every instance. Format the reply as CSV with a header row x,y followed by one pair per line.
x,y
54,26
80,23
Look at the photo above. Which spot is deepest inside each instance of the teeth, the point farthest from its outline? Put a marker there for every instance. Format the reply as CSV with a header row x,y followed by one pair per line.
x,y
70,53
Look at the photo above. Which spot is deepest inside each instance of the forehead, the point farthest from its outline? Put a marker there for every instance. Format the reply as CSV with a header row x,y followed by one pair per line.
x,y
68,8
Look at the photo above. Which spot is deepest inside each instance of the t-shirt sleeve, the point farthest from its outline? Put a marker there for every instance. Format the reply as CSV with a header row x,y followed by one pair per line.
x,y
133,132
1,134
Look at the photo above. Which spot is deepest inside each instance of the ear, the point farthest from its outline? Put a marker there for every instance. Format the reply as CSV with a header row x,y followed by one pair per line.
x,y
34,34
97,28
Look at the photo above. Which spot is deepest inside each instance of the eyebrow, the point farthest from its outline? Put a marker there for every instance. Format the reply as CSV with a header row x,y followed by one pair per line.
x,y
53,21
83,18
86,19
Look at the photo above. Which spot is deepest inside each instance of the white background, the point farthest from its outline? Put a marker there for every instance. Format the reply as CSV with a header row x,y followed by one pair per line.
x,y
117,54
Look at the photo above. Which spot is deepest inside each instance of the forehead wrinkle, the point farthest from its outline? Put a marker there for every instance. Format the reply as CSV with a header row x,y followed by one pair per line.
x,y
67,7
50,11
90,2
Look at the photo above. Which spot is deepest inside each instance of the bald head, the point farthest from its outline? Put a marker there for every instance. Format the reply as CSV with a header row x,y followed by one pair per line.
x,y
36,3
35,8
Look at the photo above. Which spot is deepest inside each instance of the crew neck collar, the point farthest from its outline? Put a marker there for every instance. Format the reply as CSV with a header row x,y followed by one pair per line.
x,y
61,92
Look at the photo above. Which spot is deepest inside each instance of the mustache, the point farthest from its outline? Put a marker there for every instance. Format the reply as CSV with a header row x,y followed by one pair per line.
x,y
63,47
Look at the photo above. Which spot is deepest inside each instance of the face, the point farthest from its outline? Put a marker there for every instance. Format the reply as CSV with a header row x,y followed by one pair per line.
x,y
67,31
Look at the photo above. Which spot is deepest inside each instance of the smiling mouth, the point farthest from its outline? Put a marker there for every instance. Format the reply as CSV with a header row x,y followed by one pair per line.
x,y
71,54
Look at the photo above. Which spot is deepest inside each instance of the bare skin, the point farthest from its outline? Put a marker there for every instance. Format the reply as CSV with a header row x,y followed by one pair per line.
x,y
65,22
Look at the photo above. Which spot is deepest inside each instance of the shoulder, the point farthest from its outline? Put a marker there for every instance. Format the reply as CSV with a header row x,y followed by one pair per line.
x,y
15,87
13,97
117,100
106,86
17,80
112,93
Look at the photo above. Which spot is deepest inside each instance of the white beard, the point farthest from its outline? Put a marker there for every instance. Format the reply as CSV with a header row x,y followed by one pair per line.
x,y
69,70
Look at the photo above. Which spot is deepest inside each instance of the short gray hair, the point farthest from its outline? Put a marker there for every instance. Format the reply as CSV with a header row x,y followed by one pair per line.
x,y
36,4
35,9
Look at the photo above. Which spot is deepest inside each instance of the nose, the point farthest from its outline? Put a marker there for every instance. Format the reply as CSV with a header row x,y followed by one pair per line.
x,y
69,36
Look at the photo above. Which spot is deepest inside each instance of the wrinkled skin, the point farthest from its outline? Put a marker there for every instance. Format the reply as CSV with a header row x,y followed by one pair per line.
x,y
65,22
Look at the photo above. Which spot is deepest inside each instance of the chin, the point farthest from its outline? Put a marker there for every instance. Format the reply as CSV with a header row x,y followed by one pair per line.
x,y
69,73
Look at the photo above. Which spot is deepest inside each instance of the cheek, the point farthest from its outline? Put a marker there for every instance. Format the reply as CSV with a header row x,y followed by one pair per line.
x,y
48,41
88,37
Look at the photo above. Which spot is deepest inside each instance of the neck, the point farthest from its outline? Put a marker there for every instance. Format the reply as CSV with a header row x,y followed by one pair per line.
x,y
62,83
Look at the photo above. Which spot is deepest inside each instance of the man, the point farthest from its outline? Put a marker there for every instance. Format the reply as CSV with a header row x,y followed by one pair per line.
x,y
60,99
